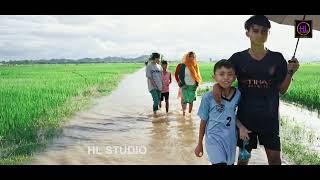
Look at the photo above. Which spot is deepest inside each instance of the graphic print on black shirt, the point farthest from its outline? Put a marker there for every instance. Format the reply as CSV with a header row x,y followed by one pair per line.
x,y
259,83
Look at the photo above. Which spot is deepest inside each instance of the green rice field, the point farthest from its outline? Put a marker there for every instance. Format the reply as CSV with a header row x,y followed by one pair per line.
x,y
35,98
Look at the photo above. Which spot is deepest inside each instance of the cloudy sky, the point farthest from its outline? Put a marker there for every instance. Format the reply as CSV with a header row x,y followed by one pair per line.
x,y
75,37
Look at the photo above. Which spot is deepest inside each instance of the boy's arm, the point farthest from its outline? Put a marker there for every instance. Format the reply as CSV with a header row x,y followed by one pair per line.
x,y
203,113
217,91
199,149
203,125
170,79
243,131
292,68
285,84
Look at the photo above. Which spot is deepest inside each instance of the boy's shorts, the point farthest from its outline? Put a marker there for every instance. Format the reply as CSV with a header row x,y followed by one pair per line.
x,y
269,141
165,96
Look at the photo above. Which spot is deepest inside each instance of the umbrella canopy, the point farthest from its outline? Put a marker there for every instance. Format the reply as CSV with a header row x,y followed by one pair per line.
x,y
290,20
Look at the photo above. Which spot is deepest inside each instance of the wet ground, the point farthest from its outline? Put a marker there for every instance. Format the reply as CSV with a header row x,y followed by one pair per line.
x,y
120,129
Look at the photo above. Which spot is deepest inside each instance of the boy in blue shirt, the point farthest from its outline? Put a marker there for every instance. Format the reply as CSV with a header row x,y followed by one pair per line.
x,y
218,122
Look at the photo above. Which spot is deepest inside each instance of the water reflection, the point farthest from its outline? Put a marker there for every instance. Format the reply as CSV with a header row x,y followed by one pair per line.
x,y
125,119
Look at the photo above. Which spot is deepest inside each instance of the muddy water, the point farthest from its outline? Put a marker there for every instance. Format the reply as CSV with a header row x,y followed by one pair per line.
x,y
120,129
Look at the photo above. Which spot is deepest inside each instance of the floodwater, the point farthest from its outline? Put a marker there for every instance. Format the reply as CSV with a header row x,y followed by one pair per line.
x,y
120,129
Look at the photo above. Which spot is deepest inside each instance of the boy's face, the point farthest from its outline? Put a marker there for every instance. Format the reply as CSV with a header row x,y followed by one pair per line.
x,y
258,34
164,66
225,77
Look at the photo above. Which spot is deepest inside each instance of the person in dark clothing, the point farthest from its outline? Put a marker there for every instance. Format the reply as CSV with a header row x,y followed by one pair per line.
x,y
262,76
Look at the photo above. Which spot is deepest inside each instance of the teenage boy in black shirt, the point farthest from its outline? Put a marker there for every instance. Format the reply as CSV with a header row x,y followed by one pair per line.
x,y
262,74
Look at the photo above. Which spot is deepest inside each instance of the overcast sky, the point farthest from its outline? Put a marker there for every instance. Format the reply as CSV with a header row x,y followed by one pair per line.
x,y
75,37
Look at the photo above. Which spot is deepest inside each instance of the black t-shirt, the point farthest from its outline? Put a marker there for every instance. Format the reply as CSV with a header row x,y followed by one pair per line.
x,y
259,83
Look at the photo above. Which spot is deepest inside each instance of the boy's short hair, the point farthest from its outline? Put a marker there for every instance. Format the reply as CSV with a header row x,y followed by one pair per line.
x,y
164,62
223,63
260,20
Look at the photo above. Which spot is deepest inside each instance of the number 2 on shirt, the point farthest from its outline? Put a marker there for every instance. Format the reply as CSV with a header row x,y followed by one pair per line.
x,y
229,120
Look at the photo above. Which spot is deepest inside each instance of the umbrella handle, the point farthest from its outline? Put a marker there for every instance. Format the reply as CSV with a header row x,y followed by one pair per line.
x,y
294,54
290,61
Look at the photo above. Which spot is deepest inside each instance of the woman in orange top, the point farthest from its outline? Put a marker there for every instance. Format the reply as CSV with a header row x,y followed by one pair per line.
x,y
189,76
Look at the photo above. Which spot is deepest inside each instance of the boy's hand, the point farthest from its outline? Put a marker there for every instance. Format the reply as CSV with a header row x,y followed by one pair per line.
x,y
199,150
244,133
217,93
293,65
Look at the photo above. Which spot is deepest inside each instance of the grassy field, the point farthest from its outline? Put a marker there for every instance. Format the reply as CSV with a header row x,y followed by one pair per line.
x,y
296,139
296,143
35,98
305,88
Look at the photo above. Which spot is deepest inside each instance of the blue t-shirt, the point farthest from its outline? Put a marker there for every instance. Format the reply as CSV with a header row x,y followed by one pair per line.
x,y
220,132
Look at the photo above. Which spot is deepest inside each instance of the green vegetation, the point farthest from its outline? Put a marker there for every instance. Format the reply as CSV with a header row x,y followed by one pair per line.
x,y
35,98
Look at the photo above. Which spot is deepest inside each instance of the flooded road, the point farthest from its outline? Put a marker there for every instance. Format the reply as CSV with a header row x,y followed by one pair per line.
x,y
120,129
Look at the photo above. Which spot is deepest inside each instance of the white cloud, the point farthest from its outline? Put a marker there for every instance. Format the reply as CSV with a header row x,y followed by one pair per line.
x,y
46,37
